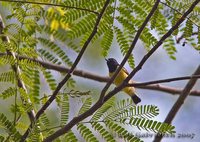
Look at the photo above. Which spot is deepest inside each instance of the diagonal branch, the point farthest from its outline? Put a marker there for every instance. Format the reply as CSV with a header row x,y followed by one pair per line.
x,y
179,102
52,4
101,100
96,77
60,85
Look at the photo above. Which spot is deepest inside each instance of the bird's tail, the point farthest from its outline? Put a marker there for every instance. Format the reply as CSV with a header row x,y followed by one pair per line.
x,y
136,99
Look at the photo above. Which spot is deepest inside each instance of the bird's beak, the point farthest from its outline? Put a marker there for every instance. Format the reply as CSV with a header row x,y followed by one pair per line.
x,y
106,60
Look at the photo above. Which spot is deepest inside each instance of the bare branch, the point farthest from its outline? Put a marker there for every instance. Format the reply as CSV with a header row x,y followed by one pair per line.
x,y
63,69
167,89
95,77
60,85
179,102
182,36
52,4
164,80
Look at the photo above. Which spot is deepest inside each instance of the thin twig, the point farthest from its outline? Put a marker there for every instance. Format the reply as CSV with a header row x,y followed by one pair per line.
x,y
179,102
96,77
182,36
115,4
60,85
163,80
101,100
52,4
170,90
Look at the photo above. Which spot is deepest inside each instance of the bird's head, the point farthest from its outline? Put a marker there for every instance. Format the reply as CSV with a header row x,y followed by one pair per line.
x,y
112,64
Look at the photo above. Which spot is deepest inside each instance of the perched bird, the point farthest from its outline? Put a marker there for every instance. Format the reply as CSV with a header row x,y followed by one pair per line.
x,y
112,67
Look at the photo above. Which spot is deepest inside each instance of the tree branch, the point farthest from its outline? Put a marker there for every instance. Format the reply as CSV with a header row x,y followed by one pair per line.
x,y
51,4
101,100
167,89
182,36
179,102
95,77
60,85
63,69
164,80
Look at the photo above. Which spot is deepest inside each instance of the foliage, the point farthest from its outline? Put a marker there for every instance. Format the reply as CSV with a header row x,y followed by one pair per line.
x,y
53,33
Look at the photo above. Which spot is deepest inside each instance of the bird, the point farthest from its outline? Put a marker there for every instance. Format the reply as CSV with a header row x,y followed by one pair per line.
x,y
122,75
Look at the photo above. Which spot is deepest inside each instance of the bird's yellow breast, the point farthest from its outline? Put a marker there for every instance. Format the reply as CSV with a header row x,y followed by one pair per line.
x,y
120,78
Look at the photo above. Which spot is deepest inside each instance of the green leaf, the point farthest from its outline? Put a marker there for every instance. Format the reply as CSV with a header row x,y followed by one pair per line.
x,y
45,121
64,110
70,137
7,77
188,30
107,41
35,87
83,26
103,132
7,59
154,19
49,56
11,91
9,127
151,125
176,17
101,111
113,112
2,138
86,133
125,109
56,50
86,105
50,79
121,132
124,45
169,46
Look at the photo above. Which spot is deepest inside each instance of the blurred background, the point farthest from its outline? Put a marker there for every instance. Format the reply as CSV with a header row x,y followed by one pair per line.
x,y
158,66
